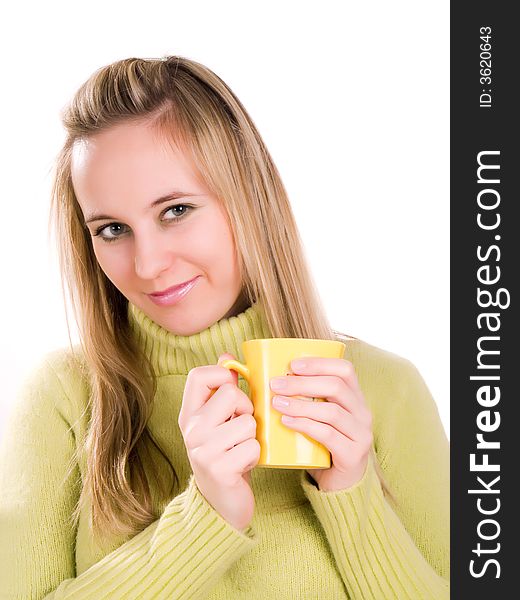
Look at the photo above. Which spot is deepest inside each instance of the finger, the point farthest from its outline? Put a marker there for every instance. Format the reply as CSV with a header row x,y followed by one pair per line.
x,y
335,442
221,359
338,367
328,413
245,455
227,401
329,387
218,410
230,434
227,356
217,439
346,454
201,384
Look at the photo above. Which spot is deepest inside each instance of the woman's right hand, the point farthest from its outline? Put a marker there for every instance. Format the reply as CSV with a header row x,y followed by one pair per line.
x,y
222,448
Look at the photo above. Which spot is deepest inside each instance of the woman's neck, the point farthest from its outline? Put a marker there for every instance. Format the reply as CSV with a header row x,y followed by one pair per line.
x,y
172,354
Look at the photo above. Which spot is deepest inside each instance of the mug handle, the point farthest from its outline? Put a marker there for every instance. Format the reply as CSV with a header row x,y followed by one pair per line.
x,y
229,363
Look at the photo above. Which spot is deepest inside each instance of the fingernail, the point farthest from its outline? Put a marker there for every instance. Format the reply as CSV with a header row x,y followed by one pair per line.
x,y
298,364
277,401
278,383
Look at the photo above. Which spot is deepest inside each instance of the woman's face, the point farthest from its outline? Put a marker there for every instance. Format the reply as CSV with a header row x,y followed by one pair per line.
x,y
117,176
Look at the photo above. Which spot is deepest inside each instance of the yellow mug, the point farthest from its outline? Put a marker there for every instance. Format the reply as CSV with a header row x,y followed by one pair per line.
x,y
280,446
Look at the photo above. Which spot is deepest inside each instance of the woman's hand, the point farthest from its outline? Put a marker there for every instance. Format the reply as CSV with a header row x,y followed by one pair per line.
x,y
219,431
343,424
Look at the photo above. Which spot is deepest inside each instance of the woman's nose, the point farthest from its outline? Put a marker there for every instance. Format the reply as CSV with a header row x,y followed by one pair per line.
x,y
152,256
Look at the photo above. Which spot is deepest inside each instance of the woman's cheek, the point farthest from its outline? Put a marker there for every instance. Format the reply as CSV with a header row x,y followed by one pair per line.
x,y
114,262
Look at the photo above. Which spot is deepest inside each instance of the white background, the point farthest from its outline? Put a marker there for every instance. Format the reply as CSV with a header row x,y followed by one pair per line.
x,y
352,100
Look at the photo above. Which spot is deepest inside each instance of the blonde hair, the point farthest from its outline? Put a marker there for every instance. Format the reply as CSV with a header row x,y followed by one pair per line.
x,y
190,106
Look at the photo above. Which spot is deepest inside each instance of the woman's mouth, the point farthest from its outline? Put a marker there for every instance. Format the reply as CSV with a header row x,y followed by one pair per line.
x,y
173,294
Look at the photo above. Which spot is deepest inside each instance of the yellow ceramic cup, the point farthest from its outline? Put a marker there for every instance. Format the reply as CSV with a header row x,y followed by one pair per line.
x,y
280,446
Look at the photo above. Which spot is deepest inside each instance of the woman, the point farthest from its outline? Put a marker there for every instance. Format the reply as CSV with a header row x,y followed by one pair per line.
x,y
122,475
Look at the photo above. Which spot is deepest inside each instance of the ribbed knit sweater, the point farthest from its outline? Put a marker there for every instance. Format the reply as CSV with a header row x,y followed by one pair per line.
x,y
302,543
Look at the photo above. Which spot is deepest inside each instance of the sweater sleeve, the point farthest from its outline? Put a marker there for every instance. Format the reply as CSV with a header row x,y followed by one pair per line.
x,y
395,551
181,555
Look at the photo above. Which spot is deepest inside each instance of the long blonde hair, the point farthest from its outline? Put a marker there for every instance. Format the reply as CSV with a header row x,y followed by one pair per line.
x,y
189,105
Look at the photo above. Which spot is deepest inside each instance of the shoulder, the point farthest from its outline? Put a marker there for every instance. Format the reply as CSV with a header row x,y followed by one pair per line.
x,y
58,381
379,370
395,392
393,387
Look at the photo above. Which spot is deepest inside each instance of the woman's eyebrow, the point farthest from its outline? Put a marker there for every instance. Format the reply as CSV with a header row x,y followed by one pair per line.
x,y
173,195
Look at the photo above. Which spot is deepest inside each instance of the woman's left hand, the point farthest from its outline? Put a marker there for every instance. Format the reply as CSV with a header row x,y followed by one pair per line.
x,y
343,424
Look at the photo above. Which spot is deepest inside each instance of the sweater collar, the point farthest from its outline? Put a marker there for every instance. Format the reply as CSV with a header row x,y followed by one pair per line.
x,y
172,354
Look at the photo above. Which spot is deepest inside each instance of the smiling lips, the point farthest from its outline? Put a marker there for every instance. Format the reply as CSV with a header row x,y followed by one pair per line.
x,y
174,294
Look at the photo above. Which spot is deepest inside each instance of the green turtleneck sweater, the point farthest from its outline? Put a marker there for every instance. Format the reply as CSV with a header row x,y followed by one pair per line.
x,y
302,543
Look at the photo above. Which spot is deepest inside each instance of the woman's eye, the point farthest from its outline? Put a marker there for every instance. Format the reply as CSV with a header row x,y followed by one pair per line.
x,y
112,227
109,228
178,206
